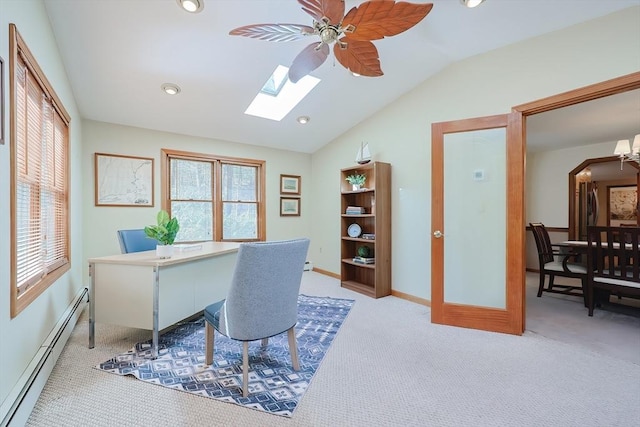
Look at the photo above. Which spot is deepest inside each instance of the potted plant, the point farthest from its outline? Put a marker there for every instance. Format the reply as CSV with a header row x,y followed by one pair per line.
x,y
356,180
164,232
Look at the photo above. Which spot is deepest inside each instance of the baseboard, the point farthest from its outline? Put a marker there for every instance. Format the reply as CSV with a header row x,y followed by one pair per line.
x,y
17,407
326,273
409,297
402,295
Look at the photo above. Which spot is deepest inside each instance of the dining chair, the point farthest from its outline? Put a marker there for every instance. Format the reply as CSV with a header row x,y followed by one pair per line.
x,y
613,263
135,241
554,262
262,300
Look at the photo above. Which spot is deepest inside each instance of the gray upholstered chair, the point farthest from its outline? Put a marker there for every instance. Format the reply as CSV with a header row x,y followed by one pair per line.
x,y
262,301
135,241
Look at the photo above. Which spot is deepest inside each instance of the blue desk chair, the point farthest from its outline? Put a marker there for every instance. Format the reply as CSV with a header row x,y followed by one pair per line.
x,y
135,241
262,301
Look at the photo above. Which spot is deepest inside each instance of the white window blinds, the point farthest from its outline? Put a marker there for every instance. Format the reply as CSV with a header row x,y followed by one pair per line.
x,y
40,203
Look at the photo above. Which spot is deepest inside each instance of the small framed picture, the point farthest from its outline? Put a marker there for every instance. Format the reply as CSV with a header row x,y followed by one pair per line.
x,y
290,184
289,206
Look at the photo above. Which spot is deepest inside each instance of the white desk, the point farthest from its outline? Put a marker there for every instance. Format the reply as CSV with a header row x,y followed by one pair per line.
x,y
140,290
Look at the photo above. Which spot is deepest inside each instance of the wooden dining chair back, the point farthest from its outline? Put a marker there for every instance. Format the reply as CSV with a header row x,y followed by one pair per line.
x,y
552,262
612,263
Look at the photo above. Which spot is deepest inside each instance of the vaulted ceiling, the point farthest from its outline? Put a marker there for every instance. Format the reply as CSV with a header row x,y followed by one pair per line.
x,y
118,54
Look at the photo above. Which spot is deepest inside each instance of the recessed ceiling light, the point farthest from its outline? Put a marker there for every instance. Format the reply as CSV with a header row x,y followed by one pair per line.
x,y
192,6
170,88
471,3
303,119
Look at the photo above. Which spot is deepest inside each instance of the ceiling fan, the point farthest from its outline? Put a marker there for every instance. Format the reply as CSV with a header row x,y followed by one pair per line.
x,y
350,34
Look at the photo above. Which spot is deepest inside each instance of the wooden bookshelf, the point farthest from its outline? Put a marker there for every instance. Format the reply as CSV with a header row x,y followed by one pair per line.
x,y
375,197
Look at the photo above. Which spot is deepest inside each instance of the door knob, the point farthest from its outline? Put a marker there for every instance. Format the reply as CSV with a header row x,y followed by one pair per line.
x,y
437,234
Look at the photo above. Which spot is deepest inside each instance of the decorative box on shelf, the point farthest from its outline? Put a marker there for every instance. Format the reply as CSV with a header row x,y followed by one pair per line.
x,y
363,260
368,236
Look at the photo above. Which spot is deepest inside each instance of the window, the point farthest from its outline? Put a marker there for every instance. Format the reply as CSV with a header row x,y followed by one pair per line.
x,y
214,198
39,179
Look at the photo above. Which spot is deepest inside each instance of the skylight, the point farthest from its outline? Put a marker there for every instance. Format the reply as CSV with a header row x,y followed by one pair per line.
x,y
278,96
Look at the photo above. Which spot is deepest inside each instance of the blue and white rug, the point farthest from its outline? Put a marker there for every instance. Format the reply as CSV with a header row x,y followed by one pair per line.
x,y
274,386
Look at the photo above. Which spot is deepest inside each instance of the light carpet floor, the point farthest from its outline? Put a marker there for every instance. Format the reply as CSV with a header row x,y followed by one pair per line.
x,y
273,385
389,366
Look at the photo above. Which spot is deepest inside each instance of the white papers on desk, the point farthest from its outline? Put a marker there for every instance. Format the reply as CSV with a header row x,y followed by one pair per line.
x,y
188,247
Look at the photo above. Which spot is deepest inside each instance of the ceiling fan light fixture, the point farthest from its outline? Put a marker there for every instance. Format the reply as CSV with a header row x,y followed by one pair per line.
x,y
191,6
170,88
471,3
303,120
351,34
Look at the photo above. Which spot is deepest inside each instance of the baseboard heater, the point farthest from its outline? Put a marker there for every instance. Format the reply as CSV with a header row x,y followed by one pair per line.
x,y
20,402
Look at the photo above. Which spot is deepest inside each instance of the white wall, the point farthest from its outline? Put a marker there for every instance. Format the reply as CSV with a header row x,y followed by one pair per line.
x,y
101,223
548,181
483,85
21,337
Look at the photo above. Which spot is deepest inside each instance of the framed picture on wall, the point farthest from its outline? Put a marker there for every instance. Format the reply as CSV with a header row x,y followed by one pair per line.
x,y
622,205
289,206
123,180
290,184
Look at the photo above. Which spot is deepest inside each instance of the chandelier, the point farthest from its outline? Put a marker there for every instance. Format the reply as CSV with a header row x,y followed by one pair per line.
x,y
628,153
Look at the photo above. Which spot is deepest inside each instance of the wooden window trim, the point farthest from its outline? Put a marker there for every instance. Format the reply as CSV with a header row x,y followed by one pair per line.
x,y
165,189
18,47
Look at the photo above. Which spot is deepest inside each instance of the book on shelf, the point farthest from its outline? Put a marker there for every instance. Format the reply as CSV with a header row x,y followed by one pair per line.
x,y
363,260
354,210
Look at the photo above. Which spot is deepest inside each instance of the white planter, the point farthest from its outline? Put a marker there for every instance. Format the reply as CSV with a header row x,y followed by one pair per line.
x,y
355,187
164,251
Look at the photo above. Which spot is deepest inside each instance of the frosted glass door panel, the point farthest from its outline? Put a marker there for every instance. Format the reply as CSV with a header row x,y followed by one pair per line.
x,y
475,217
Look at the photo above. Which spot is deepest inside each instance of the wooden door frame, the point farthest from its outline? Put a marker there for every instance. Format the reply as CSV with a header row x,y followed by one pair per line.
x,y
572,187
587,93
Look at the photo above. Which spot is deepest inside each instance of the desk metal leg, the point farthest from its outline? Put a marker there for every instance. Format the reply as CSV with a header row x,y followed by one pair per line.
x,y
92,306
156,303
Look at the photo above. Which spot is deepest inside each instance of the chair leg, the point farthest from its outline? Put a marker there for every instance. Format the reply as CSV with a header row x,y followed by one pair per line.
x,y
590,299
541,285
585,292
208,343
264,342
245,368
551,277
293,348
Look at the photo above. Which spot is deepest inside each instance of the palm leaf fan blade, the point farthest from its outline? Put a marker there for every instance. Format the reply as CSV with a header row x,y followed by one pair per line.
x,y
308,60
360,57
374,20
273,32
333,10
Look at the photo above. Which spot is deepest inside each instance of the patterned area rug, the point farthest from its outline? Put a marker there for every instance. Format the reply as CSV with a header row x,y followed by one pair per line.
x,y
274,386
